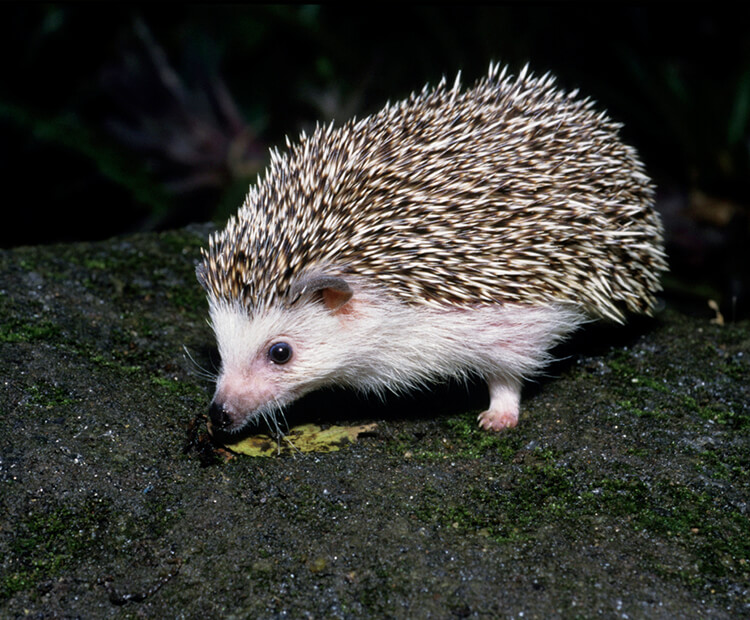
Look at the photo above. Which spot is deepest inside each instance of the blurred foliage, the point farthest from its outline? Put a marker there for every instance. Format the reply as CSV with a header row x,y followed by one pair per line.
x,y
118,118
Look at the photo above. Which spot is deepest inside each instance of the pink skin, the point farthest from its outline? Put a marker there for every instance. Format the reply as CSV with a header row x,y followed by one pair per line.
x,y
505,400
243,390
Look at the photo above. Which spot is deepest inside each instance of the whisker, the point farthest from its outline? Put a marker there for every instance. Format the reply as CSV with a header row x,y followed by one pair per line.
x,y
197,369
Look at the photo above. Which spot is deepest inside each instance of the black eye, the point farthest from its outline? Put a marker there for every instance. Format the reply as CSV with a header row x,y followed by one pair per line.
x,y
280,353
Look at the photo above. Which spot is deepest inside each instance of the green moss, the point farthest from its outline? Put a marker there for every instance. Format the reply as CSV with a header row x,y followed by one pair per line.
x,y
460,437
95,263
178,388
718,466
49,396
19,330
736,369
630,407
646,397
182,242
717,536
105,362
620,362
470,441
188,298
23,324
51,540
537,493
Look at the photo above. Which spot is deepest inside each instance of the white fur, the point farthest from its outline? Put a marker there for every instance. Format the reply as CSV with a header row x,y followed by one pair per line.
x,y
375,344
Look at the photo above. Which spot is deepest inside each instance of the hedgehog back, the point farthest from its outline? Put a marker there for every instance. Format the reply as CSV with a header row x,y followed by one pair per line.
x,y
510,192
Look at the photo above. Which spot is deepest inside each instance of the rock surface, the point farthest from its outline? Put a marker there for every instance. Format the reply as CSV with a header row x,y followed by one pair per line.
x,y
622,493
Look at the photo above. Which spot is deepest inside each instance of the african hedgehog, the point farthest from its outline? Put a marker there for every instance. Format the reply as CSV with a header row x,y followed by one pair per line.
x,y
453,234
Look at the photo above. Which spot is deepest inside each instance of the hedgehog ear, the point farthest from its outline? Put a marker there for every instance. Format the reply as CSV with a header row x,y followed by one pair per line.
x,y
333,291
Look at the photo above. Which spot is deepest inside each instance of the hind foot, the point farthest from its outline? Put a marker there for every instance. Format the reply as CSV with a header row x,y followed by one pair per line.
x,y
505,402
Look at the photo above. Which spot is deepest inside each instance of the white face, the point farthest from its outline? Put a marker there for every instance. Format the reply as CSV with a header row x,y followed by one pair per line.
x,y
271,359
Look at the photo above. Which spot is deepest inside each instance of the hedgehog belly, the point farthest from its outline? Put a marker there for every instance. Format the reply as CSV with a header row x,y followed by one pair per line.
x,y
375,343
502,344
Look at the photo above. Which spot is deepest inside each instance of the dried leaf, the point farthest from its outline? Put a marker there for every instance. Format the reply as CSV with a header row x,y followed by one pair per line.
x,y
304,438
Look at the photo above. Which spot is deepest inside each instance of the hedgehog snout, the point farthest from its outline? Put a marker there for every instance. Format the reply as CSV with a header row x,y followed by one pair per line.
x,y
242,394
227,417
219,416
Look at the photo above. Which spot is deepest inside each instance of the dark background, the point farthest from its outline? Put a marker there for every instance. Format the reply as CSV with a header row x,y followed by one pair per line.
x,y
116,119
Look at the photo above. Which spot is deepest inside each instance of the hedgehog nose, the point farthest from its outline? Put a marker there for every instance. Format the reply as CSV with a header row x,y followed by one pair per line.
x,y
219,417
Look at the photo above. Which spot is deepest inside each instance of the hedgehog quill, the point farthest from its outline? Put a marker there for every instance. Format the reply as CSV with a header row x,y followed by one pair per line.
x,y
456,233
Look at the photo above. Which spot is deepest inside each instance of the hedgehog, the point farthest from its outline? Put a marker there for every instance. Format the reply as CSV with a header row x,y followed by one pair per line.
x,y
454,234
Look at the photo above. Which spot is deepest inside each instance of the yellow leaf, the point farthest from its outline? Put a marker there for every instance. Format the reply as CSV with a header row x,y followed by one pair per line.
x,y
304,438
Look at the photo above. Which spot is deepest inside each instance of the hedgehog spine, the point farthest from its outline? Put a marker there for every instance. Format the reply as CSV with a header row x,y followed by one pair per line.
x,y
453,233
